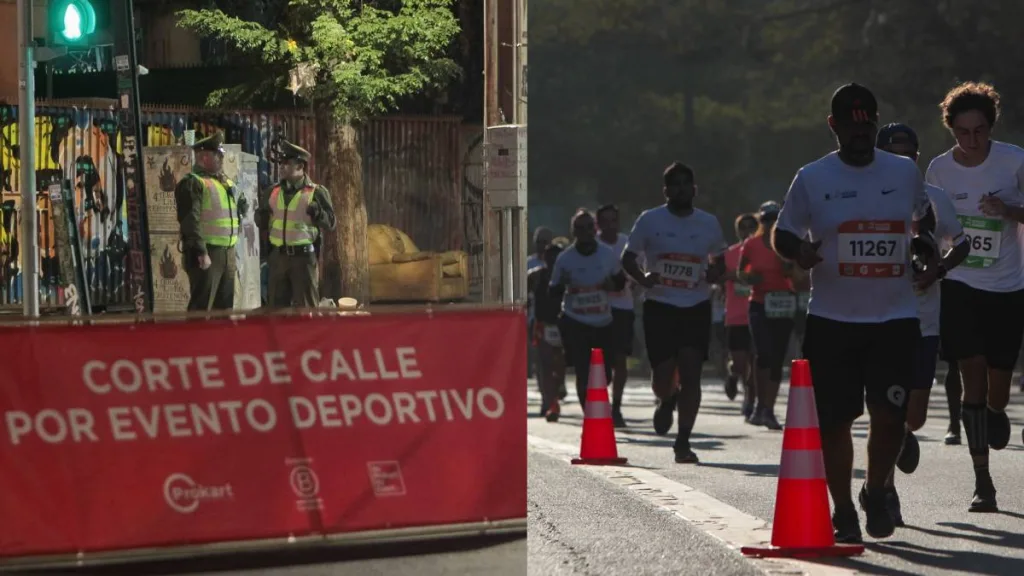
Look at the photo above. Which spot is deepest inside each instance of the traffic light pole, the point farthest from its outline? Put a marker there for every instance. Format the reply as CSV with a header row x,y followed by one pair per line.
x,y
29,237
126,65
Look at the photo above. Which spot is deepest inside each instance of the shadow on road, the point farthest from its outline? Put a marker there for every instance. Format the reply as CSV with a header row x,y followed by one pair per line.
x,y
768,470
278,559
949,559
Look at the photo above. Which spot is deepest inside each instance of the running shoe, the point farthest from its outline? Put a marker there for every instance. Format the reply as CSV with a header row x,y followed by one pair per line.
x,y
910,455
731,387
879,523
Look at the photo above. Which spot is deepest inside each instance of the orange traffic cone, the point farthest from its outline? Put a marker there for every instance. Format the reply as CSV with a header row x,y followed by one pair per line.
x,y
597,447
802,526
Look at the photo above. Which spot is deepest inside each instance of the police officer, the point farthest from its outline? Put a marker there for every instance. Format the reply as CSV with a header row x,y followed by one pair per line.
x,y
209,211
293,212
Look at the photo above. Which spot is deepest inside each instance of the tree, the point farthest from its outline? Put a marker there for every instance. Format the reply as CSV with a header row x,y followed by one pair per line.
x,y
349,60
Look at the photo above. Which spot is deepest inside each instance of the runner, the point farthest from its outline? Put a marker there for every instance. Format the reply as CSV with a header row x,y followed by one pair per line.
x,y
983,300
771,311
546,336
541,239
623,316
737,330
583,276
954,394
902,140
685,247
855,207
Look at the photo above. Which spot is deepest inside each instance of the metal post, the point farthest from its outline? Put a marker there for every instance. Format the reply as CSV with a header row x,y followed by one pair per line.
x,y
507,259
29,237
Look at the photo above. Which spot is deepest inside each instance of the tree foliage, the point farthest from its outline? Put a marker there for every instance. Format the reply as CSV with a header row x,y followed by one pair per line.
x,y
367,55
739,88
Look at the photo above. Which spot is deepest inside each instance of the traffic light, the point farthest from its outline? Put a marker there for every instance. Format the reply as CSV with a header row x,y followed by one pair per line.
x,y
72,22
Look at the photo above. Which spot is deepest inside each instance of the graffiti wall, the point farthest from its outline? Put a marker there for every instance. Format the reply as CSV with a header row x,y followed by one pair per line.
x,y
412,166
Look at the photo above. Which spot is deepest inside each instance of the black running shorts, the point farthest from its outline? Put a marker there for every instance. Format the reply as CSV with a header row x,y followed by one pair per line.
x,y
977,322
738,338
850,361
623,322
668,329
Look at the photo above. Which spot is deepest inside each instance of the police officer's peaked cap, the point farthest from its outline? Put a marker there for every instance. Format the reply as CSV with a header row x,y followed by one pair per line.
x,y
291,151
214,143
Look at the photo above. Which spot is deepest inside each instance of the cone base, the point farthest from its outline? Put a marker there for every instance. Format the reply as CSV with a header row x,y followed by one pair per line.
x,y
835,551
599,461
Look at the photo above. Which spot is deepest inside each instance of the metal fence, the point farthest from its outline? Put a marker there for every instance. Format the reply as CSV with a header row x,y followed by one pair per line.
x,y
412,178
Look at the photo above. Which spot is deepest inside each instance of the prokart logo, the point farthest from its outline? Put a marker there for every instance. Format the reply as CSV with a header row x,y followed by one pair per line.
x,y
183,494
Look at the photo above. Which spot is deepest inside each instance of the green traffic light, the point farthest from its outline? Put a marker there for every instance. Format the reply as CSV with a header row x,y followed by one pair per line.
x,y
72,23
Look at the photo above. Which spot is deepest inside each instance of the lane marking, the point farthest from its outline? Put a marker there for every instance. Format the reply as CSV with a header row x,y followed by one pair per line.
x,y
732,527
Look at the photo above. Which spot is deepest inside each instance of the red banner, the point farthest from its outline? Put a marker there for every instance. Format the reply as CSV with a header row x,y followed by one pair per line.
x,y
128,436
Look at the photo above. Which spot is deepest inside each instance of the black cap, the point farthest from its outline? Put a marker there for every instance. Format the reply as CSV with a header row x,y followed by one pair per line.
x,y
853,102
769,208
896,133
290,151
214,143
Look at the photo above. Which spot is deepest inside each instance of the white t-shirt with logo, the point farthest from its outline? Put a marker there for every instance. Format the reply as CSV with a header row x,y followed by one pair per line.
x,y
622,300
585,298
677,248
863,217
949,234
995,262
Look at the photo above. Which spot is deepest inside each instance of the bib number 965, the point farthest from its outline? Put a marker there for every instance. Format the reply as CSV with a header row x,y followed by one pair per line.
x,y
980,243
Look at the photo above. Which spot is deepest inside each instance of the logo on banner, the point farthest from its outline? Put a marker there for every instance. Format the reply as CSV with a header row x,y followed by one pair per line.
x,y
386,478
183,494
305,484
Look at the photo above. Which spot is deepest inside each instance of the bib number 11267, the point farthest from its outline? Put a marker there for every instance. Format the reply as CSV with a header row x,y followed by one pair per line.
x,y
872,248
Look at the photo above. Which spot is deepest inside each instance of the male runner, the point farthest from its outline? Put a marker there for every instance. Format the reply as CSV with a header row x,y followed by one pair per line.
x,y
685,247
737,329
983,300
541,238
902,140
855,206
623,316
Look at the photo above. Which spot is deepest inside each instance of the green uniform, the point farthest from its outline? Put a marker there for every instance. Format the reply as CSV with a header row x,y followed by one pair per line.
x,y
208,216
293,214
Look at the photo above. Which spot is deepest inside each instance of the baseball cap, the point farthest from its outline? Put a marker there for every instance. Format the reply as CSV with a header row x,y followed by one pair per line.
x,y
896,133
853,102
770,207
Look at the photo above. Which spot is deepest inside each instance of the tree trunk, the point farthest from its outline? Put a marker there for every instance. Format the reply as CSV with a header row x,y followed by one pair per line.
x,y
339,168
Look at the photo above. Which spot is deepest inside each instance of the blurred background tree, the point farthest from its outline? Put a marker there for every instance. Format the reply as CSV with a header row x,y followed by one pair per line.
x,y
739,89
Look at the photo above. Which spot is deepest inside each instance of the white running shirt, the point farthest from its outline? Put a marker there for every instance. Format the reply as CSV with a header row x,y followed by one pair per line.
x,y
995,261
677,248
585,298
622,300
948,234
863,217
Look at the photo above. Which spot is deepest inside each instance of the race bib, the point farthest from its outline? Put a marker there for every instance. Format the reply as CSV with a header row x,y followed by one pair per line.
x,y
741,290
872,248
803,300
590,301
985,236
679,270
552,336
780,305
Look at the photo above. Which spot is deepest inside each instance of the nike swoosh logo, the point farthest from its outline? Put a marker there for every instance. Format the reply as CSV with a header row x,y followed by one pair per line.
x,y
996,192
889,191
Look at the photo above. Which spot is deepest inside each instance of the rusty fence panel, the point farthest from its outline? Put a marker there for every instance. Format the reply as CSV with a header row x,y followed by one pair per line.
x,y
412,178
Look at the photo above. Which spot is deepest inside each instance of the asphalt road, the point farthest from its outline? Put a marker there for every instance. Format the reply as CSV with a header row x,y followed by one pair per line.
x,y
738,467
497,556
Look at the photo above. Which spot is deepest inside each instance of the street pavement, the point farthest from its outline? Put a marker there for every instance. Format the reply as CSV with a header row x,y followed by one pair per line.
x,y
659,517
503,555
